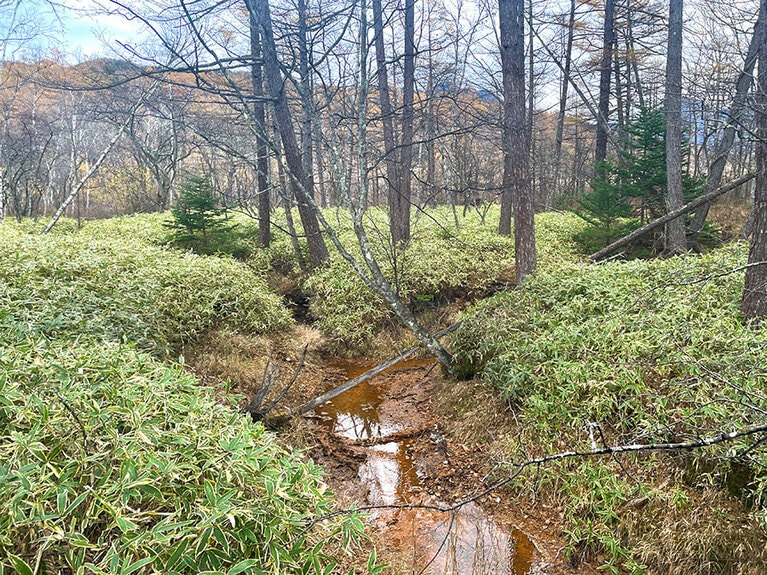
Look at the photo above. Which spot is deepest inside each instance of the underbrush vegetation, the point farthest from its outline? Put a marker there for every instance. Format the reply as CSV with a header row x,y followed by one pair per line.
x,y
200,223
107,282
112,462
636,352
447,258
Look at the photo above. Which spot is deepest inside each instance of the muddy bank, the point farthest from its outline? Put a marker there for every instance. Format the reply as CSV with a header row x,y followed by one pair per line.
x,y
407,437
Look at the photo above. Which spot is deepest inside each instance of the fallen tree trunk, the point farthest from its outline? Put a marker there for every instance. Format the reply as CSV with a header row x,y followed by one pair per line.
x,y
336,391
687,208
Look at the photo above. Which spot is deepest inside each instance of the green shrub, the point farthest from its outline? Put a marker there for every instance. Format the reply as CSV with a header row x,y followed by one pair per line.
x,y
593,238
122,288
200,224
647,351
633,185
441,262
113,463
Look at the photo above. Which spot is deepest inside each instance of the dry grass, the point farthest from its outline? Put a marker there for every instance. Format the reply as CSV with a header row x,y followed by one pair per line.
x,y
475,413
677,530
730,216
233,363
710,534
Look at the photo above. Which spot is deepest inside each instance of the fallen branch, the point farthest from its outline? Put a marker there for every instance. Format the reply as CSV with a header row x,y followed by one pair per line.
x,y
696,203
518,467
390,438
268,379
100,160
380,368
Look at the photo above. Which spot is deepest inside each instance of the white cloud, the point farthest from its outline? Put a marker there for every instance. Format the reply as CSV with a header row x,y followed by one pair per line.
x,y
88,30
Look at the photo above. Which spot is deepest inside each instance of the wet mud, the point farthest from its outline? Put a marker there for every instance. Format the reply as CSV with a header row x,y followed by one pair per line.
x,y
391,439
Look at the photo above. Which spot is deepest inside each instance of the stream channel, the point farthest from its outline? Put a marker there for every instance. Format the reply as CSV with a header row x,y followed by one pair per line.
x,y
383,420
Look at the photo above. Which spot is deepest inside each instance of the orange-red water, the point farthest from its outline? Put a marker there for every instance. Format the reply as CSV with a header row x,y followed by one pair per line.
x,y
466,541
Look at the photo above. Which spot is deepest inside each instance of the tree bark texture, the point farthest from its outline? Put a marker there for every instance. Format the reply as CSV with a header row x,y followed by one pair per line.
x,y
262,150
560,130
307,104
400,220
318,251
754,302
391,156
516,188
608,44
676,242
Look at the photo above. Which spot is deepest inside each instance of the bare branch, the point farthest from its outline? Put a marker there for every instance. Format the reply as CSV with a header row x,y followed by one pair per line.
x,y
380,368
518,467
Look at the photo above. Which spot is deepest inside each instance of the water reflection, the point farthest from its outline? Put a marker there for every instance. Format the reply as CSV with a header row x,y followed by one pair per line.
x,y
390,474
354,414
470,542
465,542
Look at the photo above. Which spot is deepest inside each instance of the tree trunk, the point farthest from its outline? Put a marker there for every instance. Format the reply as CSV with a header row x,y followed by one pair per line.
x,y
620,102
2,196
686,209
429,189
530,80
505,16
384,101
676,241
400,221
737,109
754,302
516,189
605,72
318,251
559,138
262,150
307,103
88,173
632,61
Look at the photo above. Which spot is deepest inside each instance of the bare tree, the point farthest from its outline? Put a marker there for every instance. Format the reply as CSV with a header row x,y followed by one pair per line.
x,y
262,146
400,224
676,242
560,129
608,44
369,269
516,185
734,123
17,27
387,126
754,301
301,181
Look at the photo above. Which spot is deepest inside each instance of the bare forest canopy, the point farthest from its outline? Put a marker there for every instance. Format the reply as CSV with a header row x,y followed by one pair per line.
x,y
623,111
201,118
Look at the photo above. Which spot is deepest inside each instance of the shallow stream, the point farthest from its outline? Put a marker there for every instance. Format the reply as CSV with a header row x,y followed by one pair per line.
x,y
462,542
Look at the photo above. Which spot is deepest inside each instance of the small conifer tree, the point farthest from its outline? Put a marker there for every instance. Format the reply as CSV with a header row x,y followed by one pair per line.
x,y
200,223
633,185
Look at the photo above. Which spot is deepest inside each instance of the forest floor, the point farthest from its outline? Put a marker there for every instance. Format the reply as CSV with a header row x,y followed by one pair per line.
x,y
407,437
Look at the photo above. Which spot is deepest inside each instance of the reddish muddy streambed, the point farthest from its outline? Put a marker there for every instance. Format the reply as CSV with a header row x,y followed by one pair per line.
x,y
382,447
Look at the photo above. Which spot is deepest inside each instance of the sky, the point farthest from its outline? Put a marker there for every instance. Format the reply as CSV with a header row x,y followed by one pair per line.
x,y
75,28
87,33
